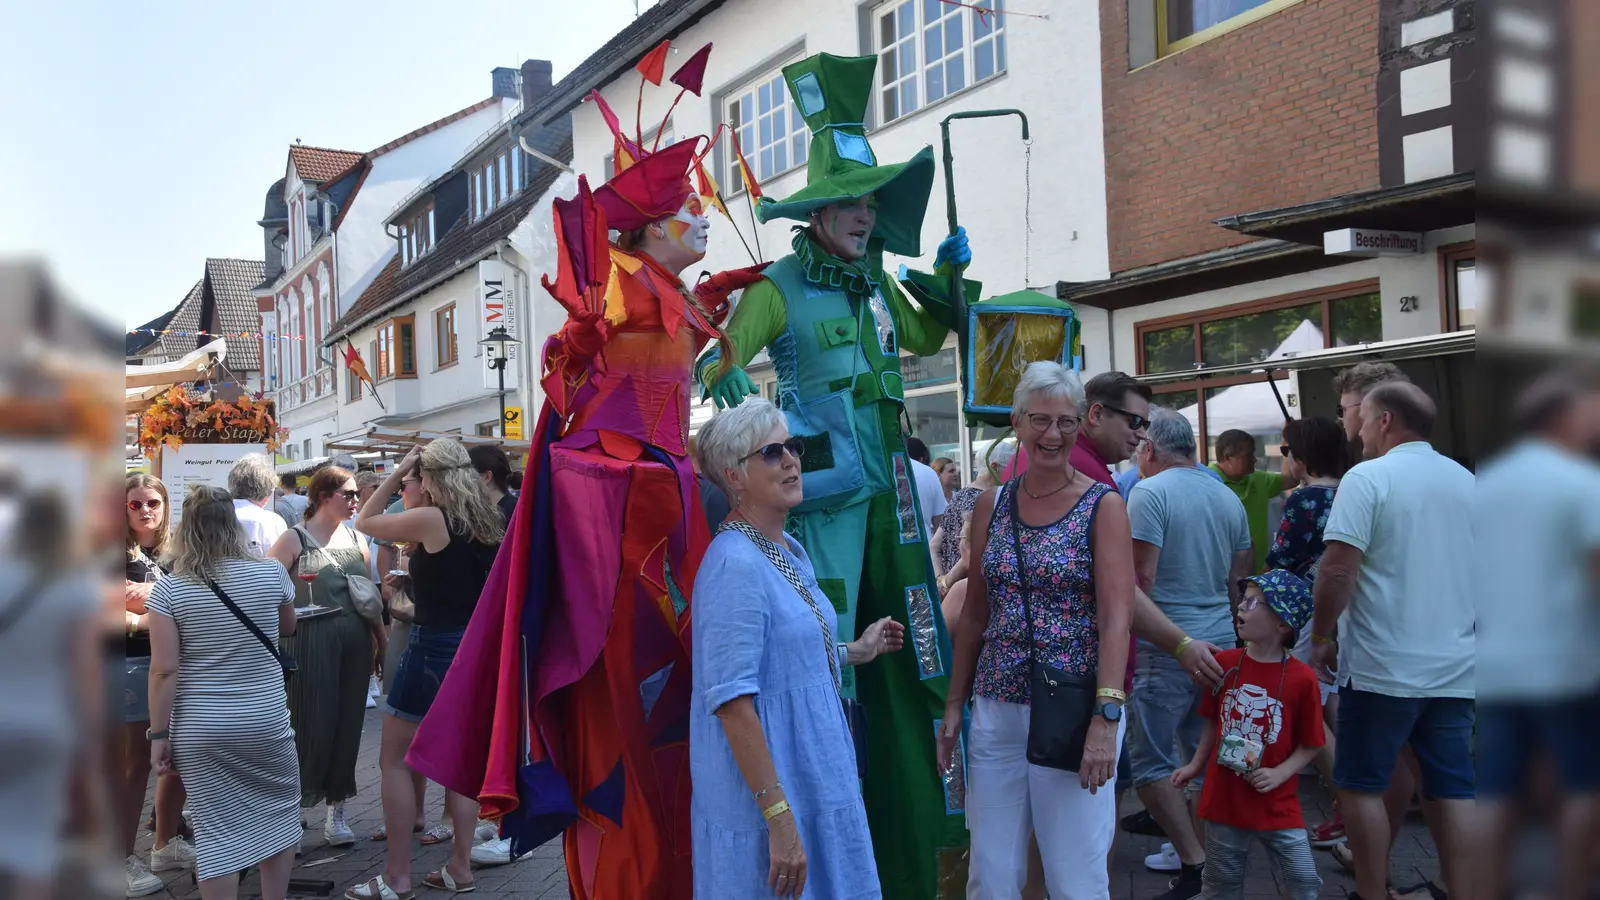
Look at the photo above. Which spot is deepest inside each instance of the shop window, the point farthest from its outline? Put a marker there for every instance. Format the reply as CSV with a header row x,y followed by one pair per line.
x,y
1181,24
928,371
1246,333
1458,281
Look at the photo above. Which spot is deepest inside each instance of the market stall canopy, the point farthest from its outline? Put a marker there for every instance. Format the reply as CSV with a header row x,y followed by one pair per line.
x,y
393,442
145,383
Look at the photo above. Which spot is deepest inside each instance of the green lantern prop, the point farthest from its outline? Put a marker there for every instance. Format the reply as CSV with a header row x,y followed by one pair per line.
x,y
1001,335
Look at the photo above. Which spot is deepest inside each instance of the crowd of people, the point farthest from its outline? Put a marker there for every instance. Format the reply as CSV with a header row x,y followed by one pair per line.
x,y
259,630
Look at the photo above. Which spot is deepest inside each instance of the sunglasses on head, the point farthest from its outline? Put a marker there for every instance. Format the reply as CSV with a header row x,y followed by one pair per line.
x,y
772,453
152,505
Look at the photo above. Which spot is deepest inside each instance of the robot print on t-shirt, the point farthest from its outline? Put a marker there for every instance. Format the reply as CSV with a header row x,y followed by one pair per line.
x,y
1249,711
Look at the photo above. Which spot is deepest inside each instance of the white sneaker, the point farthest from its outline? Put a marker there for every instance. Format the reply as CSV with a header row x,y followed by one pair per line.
x,y
1165,861
336,831
493,853
486,831
177,854
140,882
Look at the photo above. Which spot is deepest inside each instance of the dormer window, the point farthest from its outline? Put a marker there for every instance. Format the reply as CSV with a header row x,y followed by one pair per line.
x,y
495,182
416,236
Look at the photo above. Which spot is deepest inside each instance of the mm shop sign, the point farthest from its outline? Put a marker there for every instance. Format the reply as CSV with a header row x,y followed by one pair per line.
x,y
1369,242
497,306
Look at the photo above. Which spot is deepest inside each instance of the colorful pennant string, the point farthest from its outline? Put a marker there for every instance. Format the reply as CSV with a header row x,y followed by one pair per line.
x,y
224,334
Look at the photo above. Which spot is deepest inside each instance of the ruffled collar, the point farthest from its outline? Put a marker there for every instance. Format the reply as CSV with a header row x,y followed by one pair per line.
x,y
823,268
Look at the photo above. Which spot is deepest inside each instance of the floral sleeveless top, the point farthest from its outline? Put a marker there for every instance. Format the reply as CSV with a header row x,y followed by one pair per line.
x,y
1061,583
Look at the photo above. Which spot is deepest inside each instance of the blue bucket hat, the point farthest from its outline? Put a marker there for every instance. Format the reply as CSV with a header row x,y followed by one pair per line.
x,y
1287,594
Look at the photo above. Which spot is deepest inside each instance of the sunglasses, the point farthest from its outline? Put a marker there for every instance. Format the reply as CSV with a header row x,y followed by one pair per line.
x,y
136,505
1283,450
772,454
351,496
1135,421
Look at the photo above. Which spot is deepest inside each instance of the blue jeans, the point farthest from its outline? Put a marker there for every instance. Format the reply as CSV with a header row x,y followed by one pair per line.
x,y
1289,852
1374,727
423,665
1164,722
1511,734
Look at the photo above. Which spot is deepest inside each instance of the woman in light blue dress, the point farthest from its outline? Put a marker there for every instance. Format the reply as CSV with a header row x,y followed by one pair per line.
x,y
777,806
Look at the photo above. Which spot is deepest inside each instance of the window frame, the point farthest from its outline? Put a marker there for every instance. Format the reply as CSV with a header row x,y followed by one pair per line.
x,y
1165,48
917,41
391,336
1449,294
728,99
1326,296
352,387
442,359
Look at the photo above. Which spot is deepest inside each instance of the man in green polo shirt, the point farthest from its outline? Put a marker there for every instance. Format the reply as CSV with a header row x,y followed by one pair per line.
x,y
1236,463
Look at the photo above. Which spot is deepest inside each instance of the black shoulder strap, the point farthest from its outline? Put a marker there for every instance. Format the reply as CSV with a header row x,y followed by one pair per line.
x,y
244,619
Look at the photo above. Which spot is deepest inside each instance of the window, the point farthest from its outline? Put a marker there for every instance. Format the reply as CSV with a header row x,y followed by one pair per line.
x,y
1180,24
352,386
771,132
516,170
1458,281
416,236
503,169
649,140
928,50
444,331
396,349
1335,317
487,429
477,194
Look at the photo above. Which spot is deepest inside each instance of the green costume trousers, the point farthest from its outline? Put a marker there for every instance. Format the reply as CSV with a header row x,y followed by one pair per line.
x,y
916,816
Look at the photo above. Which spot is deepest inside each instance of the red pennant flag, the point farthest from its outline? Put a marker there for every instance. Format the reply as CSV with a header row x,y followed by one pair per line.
x,y
654,64
692,74
749,177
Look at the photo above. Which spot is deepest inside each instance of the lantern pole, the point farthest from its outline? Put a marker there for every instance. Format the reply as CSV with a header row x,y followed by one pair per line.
x,y
958,297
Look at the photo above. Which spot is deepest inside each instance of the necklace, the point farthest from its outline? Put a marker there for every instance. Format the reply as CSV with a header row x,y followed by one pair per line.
x,y
1024,480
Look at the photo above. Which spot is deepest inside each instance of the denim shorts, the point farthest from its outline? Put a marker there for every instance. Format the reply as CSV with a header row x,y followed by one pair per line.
x,y
1374,727
423,664
1164,722
136,689
1512,734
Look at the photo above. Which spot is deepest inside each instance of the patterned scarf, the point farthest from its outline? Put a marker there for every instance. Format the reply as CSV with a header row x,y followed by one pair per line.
x,y
861,277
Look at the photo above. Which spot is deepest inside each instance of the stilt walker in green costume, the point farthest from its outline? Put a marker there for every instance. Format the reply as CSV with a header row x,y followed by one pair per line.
x,y
834,324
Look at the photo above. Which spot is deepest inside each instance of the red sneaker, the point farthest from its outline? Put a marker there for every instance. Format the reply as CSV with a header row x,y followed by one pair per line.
x,y
1329,833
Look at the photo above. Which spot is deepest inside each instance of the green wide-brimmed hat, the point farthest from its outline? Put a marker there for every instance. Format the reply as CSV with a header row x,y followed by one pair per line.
x,y
832,93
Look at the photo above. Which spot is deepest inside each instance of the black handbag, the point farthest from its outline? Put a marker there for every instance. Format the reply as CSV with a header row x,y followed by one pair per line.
x,y
285,660
1060,706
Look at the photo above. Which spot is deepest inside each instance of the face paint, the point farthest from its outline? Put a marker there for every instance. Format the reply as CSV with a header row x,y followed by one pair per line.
x,y
689,228
843,229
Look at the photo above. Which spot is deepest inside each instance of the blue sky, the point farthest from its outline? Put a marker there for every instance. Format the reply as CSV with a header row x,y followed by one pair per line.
x,y
141,138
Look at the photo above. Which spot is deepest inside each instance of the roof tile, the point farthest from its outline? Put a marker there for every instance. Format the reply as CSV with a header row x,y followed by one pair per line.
x,y
320,164
232,281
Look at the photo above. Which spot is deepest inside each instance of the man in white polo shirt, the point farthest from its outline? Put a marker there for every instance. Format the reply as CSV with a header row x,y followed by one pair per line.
x,y
250,482
1396,577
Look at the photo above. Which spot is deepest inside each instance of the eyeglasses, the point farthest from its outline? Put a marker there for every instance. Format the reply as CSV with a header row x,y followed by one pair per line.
x,y
772,454
136,505
351,496
1283,450
1135,421
1251,601
1066,424
1338,412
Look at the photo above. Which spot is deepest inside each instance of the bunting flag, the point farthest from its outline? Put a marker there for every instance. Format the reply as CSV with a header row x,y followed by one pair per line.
x,y
751,186
654,63
706,186
224,334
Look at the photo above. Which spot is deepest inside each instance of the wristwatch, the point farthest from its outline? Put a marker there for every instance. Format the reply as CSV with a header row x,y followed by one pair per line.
x,y
155,735
1111,712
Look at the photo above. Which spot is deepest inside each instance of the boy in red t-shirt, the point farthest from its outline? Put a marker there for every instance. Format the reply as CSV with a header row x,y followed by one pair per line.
x,y
1268,715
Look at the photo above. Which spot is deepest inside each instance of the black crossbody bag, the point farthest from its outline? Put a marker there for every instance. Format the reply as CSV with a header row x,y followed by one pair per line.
x,y
284,660
1060,706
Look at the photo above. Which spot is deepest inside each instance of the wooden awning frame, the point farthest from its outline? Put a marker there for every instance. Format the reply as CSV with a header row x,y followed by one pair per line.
x,y
395,442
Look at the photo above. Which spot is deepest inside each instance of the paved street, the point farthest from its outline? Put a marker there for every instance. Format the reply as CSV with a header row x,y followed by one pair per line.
x,y
542,877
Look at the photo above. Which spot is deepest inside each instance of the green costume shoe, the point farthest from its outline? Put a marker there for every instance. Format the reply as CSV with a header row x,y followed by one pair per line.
x,y
834,329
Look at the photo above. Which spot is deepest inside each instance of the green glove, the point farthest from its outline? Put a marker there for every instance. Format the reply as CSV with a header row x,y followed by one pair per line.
x,y
731,389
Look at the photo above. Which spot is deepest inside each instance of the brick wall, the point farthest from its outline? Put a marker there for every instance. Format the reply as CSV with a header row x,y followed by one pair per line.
x,y
1278,112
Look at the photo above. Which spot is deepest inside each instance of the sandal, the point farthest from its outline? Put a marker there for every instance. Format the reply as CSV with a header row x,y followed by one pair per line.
x,y
438,834
1344,856
376,889
444,881
382,834
1434,891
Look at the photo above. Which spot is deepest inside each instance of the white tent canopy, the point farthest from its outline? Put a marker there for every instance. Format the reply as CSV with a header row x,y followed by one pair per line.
x,y
1253,407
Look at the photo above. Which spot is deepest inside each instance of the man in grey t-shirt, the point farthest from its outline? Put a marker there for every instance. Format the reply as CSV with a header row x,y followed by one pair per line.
x,y
1191,545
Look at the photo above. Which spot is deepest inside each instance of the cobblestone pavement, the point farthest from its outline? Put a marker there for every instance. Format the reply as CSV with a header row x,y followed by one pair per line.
x,y
541,875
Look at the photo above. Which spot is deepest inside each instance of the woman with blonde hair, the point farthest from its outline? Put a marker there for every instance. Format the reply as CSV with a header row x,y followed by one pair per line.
x,y
454,543
149,512
334,648
218,714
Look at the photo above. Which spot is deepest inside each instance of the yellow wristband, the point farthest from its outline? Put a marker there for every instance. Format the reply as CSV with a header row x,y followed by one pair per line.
x,y
1321,639
1111,694
1182,645
775,810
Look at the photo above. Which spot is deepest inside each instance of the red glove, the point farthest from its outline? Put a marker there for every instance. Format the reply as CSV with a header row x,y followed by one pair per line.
x,y
585,334
713,290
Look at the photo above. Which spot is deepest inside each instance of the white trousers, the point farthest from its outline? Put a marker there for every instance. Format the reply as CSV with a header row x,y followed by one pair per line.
x,y
1010,802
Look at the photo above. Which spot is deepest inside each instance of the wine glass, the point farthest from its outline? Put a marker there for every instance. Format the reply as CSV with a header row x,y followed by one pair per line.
x,y
310,566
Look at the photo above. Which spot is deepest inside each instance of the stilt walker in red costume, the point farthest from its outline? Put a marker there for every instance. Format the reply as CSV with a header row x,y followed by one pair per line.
x,y
566,711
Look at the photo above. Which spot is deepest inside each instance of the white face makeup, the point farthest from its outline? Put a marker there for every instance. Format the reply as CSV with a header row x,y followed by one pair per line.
x,y
690,227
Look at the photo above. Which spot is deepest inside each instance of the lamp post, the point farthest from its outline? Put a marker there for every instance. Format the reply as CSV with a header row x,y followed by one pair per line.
x,y
498,346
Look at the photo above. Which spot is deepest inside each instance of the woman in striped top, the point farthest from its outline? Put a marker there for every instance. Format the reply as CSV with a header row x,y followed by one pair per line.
x,y
218,714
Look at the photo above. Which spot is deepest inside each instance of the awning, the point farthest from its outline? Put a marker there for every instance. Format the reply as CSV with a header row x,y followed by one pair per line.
x,y
1333,358
1420,206
393,442
143,384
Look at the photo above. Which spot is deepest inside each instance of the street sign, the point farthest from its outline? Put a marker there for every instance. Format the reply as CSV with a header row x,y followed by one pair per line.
x,y
513,424
1370,242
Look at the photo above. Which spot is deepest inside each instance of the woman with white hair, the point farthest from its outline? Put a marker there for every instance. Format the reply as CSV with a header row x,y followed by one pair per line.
x,y
777,807
1049,604
454,543
219,716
